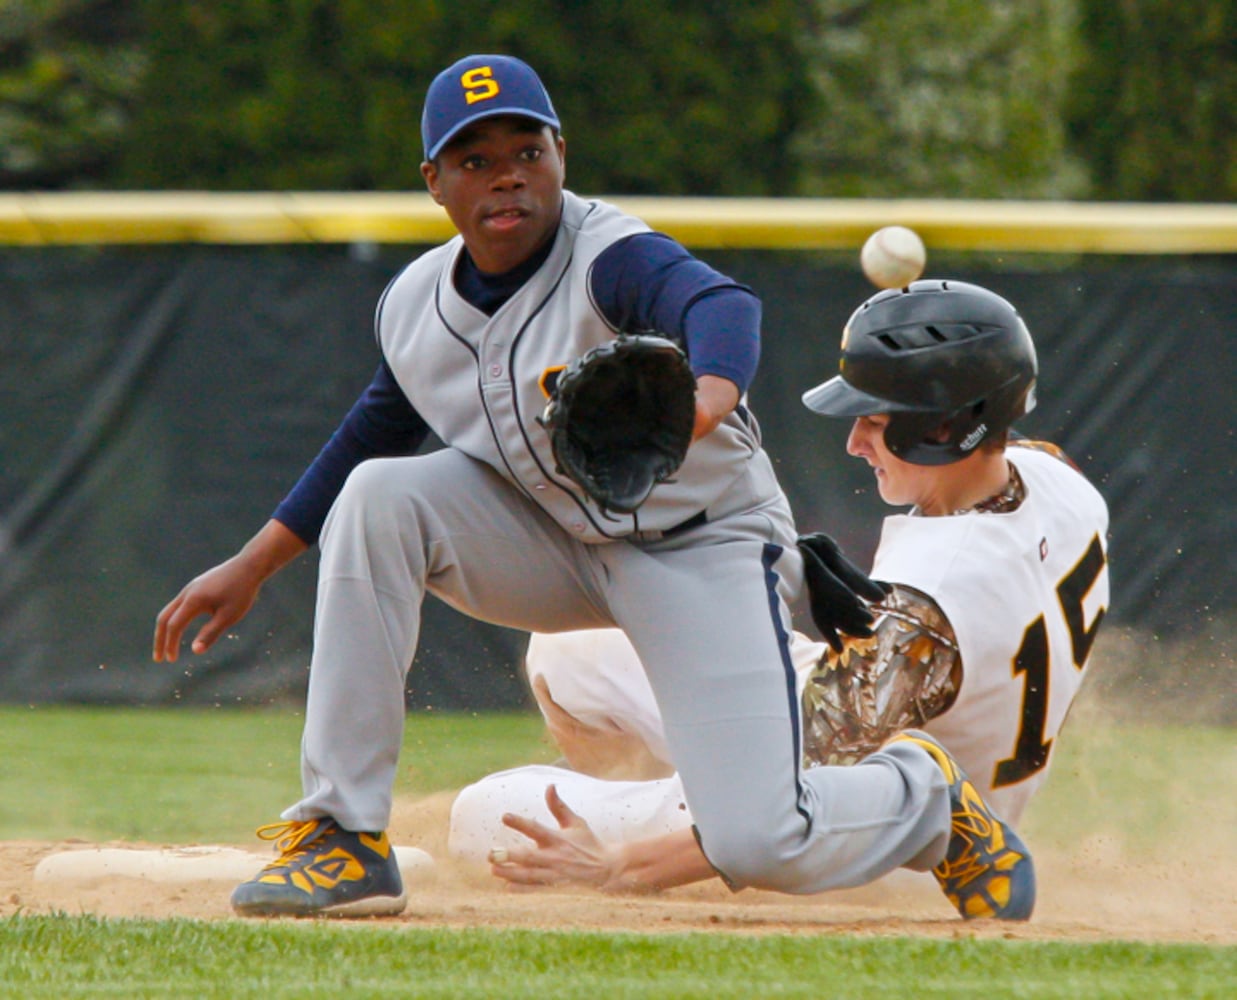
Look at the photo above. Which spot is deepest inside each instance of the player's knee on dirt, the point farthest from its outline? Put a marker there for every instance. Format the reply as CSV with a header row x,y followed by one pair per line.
x,y
476,824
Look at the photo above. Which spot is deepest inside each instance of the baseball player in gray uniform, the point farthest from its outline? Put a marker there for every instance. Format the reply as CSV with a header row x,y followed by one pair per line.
x,y
472,335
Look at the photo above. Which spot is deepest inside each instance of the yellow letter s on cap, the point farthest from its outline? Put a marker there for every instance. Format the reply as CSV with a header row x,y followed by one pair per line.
x,y
479,84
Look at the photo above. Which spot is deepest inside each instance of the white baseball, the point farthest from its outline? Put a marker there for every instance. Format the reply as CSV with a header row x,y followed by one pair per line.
x,y
893,257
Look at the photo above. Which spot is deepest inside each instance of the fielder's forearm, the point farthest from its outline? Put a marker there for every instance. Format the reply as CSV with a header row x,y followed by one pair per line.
x,y
271,549
715,398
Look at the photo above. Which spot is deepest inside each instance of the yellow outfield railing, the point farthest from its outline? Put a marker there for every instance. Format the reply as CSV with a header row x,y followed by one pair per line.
x,y
49,219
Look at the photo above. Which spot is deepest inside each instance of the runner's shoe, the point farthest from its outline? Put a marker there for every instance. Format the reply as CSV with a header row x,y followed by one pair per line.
x,y
987,871
323,870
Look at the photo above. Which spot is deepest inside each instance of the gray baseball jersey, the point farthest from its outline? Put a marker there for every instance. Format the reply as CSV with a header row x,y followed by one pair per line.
x,y
489,378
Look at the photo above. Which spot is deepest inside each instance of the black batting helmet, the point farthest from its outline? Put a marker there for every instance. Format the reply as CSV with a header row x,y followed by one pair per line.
x,y
934,355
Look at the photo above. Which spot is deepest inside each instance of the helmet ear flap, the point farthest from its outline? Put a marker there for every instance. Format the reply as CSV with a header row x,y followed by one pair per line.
x,y
916,438
933,439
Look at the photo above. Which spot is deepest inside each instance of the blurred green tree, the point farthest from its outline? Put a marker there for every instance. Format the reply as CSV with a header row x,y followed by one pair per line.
x,y
944,98
844,98
692,97
69,72
1154,110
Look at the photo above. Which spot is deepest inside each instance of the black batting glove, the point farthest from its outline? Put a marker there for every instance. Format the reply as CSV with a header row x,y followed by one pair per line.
x,y
838,591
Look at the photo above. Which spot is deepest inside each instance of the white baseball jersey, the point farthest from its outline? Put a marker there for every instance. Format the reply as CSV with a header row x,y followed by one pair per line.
x,y
1024,592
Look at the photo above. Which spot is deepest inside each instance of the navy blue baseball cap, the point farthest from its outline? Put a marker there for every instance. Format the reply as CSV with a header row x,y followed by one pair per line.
x,y
479,87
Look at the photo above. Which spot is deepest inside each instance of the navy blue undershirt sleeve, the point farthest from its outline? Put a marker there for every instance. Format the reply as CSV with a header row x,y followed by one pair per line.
x,y
650,282
382,422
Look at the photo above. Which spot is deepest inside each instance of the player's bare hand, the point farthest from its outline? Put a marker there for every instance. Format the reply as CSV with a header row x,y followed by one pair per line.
x,y
225,593
570,855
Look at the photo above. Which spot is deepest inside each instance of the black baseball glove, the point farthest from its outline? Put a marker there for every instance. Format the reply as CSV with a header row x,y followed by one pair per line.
x,y
621,417
838,591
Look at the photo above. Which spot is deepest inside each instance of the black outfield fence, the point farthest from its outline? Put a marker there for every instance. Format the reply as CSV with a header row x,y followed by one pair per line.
x,y
156,403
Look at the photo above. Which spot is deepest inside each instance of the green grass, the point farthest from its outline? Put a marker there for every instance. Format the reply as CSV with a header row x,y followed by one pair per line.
x,y
211,775
84,956
192,776
1146,780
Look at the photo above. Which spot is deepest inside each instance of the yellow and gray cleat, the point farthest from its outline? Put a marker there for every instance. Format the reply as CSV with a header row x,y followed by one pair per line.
x,y
987,871
323,870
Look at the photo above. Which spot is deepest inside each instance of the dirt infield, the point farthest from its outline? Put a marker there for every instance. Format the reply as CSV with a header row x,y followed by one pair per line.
x,y
1094,893
1142,852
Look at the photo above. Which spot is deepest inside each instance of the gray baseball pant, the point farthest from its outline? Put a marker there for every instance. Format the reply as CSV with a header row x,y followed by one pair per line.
x,y
707,613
